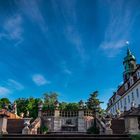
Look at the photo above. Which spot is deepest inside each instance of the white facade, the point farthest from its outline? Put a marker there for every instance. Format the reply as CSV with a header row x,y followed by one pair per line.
x,y
129,97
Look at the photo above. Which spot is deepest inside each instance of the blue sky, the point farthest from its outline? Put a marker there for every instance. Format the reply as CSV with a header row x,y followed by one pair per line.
x,y
72,47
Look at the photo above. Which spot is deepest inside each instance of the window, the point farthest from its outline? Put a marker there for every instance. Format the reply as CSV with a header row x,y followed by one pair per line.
x,y
132,96
128,99
138,74
118,105
125,101
115,107
121,103
137,92
131,81
126,86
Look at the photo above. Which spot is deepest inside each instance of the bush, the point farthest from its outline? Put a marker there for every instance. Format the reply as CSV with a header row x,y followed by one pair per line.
x,y
93,130
44,129
135,137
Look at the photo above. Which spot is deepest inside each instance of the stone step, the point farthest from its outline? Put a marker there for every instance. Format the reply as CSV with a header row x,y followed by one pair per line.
x,y
63,135
67,137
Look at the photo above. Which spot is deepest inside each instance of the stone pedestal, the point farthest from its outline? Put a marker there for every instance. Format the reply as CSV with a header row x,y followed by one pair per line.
x,y
26,129
57,121
108,130
81,121
131,125
40,105
3,124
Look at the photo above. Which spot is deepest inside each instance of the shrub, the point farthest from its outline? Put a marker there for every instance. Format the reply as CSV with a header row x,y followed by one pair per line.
x,y
44,129
93,130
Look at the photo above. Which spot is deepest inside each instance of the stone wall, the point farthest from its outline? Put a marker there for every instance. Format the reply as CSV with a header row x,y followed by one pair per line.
x,y
55,122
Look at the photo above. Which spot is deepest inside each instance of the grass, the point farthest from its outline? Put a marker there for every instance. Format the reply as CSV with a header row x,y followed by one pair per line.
x,y
135,137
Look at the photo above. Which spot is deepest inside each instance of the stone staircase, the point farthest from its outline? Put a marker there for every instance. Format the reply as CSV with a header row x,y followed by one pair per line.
x,y
67,137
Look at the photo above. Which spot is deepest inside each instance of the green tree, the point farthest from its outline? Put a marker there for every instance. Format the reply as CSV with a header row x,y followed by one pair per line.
x,y
4,102
62,106
72,106
28,104
93,101
49,100
21,105
32,106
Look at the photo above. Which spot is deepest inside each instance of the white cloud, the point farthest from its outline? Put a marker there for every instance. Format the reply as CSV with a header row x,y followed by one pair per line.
x,y
74,37
118,29
67,71
4,91
68,9
111,49
15,84
69,14
40,80
32,10
12,29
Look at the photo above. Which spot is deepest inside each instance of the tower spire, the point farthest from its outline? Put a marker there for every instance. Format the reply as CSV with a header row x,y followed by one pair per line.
x,y
129,63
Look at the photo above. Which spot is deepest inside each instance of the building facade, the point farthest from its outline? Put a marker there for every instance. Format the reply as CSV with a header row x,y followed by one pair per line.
x,y
128,93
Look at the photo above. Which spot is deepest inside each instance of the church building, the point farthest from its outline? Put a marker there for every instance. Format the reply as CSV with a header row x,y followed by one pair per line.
x,y
128,93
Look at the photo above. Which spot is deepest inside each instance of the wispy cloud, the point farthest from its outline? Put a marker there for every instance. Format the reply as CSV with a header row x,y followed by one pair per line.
x,y
40,80
67,9
118,29
32,10
65,68
12,29
112,48
15,84
67,71
74,37
4,91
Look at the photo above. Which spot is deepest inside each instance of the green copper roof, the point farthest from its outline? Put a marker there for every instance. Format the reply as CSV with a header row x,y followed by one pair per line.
x,y
129,56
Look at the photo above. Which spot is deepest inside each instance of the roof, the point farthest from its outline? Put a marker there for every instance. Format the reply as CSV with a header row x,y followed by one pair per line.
x,y
129,56
10,115
4,112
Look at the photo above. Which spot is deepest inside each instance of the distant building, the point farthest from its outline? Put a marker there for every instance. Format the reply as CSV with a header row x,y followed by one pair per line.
x,y
128,93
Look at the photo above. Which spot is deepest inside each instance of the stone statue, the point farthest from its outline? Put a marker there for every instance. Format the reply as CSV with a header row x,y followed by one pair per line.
x,y
56,104
133,104
21,114
81,104
27,114
118,112
15,108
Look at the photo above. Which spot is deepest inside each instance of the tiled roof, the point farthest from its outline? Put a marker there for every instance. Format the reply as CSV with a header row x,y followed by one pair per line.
x,y
10,115
4,112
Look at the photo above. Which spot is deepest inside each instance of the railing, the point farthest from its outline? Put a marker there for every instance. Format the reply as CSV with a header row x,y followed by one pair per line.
x,y
101,125
35,125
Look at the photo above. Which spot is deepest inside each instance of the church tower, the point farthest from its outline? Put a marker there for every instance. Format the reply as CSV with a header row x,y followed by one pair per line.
x,y
129,65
